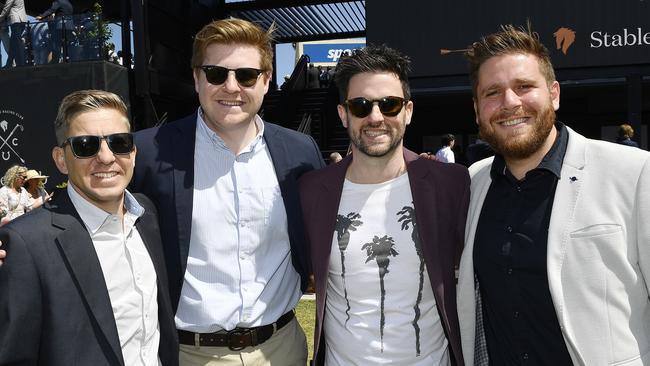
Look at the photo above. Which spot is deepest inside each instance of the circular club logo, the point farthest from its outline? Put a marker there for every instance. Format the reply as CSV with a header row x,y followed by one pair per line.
x,y
11,128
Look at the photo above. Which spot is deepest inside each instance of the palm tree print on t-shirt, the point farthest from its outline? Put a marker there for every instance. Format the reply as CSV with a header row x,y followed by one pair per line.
x,y
345,224
380,249
408,218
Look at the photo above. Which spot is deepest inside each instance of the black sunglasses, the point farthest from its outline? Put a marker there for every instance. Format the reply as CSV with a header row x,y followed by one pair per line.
x,y
362,107
217,75
88,146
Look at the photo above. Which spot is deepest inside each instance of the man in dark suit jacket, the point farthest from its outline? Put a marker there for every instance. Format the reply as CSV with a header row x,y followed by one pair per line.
x,y
397,222
225,184
84,281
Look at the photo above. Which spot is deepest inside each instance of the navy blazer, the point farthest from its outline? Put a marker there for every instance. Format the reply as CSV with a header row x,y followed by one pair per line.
x,y
164,171
54,305
440,196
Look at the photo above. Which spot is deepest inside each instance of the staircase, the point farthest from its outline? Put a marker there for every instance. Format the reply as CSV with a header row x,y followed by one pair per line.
x,y
290,108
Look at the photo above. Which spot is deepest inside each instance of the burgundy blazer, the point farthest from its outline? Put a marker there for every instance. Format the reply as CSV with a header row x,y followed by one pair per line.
x,y
441,198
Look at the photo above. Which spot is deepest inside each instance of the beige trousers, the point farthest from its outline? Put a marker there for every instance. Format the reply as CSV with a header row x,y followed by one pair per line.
x,y
287,347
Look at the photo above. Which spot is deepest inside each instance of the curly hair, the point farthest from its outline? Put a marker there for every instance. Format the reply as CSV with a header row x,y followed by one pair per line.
x,y
509,40
372,58
12,174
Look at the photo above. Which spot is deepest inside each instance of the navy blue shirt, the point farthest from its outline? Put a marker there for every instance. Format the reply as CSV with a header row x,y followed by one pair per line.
x,y
520,323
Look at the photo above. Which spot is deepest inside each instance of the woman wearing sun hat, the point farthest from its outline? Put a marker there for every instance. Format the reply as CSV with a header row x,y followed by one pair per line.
x,y
35,186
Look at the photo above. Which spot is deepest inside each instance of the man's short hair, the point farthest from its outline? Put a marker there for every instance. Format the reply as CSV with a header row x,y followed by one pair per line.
x,y
509,40
372,59
447,139
85,101
231,31
625,131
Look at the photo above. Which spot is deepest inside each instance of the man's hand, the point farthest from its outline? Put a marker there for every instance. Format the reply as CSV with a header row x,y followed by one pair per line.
x,y
3,254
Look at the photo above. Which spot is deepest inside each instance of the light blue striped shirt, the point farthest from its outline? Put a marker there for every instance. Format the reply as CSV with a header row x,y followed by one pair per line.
x,y
239,271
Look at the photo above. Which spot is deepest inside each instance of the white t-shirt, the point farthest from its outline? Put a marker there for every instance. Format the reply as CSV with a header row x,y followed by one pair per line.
x,y
446,155
370,313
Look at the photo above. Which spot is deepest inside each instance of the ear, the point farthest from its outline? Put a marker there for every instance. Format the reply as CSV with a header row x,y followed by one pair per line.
x,y
343,115
196,73
555,95
476,110
134,154
408,110
58,155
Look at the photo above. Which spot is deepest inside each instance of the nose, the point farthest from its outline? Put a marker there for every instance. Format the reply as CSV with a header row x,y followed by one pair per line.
x,y
231,85
105,155
375,114
510,99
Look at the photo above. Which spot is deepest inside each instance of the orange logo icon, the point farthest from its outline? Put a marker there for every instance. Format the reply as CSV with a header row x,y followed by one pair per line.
x,y
564,38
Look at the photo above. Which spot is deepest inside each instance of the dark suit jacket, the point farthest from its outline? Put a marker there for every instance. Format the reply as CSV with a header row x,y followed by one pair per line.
x,y
54,305
164,171
440,196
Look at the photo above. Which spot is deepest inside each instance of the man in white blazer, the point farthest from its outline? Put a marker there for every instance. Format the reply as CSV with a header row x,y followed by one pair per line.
x,y
556,263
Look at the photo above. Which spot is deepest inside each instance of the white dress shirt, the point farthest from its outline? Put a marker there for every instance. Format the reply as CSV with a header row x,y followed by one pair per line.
x,y
445,155
239,270
129,274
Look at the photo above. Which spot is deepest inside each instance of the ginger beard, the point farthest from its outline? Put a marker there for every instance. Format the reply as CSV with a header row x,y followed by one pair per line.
x,y
519,146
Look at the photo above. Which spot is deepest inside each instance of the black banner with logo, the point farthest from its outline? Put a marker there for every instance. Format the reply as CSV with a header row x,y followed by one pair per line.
x,y
29,100
578,33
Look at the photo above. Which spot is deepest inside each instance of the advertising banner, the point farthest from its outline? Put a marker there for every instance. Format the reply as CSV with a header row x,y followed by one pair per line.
x,y
578,33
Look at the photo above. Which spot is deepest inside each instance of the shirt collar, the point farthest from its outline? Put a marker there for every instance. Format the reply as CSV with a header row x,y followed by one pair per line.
x,y
205,133
93,216
551,162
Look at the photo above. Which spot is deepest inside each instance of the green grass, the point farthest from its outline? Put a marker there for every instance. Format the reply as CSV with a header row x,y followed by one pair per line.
x,y
306,312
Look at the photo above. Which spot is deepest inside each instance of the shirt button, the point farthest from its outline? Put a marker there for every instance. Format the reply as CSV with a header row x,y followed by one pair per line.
x,y
515,315
524,356
518,189
509,271
509,229
242,224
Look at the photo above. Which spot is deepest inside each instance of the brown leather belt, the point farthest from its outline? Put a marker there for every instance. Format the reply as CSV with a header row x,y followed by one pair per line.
x,y
236,339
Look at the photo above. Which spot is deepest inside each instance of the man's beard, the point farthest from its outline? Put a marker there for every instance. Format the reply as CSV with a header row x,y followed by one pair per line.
x,y
395,134
520,146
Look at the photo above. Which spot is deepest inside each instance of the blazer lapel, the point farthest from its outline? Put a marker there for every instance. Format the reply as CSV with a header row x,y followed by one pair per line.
x,y
562,217
184,183
79,252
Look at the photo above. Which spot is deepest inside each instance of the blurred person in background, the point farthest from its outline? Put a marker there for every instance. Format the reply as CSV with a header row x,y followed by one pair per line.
x,y
60,28
13,14
35,186
14,199
625,134
445,154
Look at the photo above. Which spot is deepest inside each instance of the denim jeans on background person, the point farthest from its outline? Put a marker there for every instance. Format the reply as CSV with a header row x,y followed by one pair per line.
x,y
16,45
4,39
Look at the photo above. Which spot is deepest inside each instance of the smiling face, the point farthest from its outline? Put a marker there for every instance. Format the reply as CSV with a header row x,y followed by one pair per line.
x,y
375,135
101,179
515,105
230,106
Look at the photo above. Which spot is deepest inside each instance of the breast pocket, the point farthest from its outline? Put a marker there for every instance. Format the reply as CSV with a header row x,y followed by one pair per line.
x,y
274,210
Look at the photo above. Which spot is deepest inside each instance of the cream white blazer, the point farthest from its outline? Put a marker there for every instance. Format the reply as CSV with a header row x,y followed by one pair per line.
x,y
598,255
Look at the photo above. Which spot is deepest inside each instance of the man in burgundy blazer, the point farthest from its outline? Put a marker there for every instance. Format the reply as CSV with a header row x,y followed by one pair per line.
x,y
386,191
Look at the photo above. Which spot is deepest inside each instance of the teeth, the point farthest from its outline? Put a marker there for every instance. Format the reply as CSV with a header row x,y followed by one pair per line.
x,y
231,103
105,175
513,122
374,133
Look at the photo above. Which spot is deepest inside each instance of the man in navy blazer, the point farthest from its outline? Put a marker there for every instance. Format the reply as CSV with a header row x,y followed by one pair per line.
x,y
84,281
385,229
225,184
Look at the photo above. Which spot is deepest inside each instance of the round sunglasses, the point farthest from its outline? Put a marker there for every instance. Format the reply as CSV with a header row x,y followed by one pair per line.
x,y
88,146
245,76
388,106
